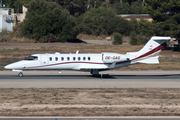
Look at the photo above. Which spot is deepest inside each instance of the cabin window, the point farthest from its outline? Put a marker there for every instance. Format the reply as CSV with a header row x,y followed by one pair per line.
x,y
56,58
50,58
79,58
74,58
31,58
84,58
89,58
68,58
62,58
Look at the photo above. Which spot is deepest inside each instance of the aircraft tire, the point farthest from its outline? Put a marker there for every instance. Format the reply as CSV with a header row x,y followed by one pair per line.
x,y
20,74
95,72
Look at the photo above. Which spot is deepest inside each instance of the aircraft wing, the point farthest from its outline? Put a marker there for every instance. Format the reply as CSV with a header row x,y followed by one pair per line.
x,y
112,65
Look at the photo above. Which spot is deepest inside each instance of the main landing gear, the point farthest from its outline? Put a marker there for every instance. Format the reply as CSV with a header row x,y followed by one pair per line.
x,y
95,72
20,74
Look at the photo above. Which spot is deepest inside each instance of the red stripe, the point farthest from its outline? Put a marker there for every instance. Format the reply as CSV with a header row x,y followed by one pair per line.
x,y
67,63
150,52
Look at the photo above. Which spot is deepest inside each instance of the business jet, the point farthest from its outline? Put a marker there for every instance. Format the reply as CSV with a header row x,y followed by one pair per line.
x,y
93,62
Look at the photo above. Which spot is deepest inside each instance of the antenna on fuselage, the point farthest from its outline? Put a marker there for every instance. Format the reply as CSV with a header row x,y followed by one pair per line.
x,y
57,53
77,51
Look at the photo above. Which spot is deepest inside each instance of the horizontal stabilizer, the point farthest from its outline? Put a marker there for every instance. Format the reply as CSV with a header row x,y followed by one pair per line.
x,y
151,60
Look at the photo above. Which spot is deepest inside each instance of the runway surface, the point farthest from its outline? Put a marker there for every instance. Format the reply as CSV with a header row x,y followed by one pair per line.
x,y
76,79
95,118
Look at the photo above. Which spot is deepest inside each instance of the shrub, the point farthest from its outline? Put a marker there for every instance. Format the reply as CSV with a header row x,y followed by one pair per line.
x,y
117,38
138,39
141,39
176,48
49,38
17,27
133,38
4,36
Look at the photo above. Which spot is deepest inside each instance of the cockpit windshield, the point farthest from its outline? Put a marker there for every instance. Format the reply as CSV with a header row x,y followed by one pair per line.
x,y
31,58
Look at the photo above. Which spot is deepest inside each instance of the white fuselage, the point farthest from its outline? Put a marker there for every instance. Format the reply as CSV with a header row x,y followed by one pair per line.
x,y
84,62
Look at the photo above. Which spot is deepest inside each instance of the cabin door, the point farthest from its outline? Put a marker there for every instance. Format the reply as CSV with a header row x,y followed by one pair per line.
x,y
44,59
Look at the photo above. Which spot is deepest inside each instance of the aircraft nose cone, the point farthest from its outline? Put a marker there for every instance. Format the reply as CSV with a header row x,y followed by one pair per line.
x,y
10,66
16,65
7,67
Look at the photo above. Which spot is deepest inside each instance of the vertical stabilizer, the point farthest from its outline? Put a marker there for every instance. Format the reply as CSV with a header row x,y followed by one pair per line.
x,y
149,53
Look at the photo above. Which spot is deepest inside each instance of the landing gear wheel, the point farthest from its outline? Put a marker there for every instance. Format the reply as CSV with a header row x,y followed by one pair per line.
x,y
20,74
95,72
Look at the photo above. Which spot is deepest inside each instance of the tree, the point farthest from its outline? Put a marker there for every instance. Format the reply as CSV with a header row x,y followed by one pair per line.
x,y
25,2
47,19
73,6
165,14
126,8
136,8
145,27
16,4
102,20
121,8
143,3
134,26
88,5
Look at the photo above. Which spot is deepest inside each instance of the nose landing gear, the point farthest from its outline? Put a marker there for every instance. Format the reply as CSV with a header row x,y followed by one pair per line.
x,y
20,74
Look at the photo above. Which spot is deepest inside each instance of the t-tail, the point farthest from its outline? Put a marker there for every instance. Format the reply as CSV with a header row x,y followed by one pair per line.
x,y
149,53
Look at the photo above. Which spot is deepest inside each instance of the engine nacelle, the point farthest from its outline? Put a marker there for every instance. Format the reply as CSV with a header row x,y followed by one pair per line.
x,y
113,57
